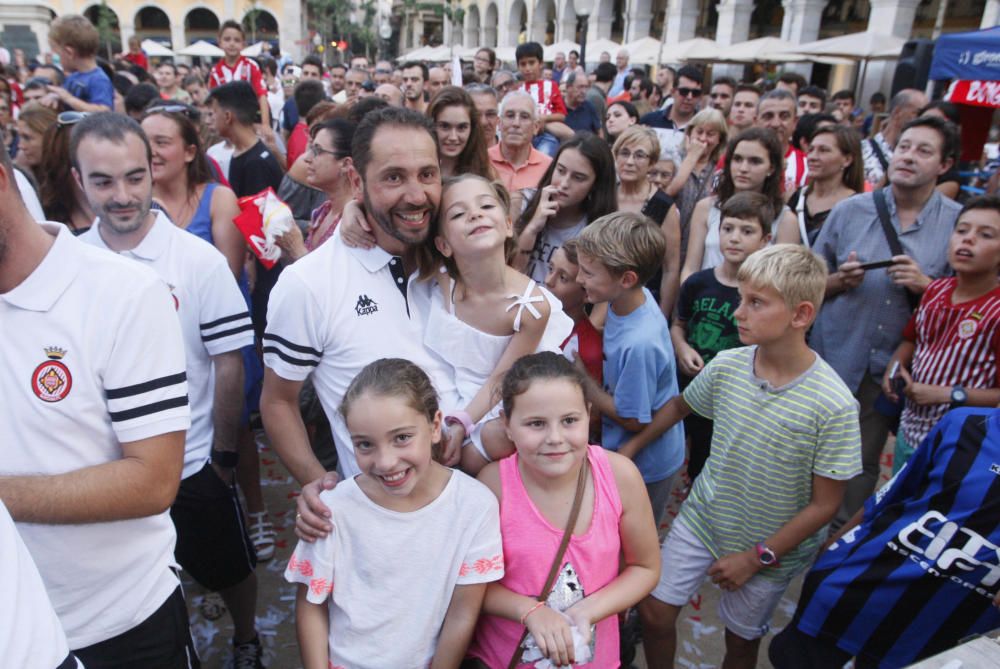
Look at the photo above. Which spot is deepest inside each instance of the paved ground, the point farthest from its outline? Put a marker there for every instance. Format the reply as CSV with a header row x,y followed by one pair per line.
x,y
701,641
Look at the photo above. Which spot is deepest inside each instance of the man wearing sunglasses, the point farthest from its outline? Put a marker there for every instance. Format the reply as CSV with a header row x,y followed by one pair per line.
x,y
669,123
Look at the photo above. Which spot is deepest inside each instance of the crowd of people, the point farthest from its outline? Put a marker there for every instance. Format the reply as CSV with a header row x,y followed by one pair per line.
x,y
517,310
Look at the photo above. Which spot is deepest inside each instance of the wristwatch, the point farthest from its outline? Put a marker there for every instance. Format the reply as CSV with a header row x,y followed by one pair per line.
x,y
766,556
227,459
958,396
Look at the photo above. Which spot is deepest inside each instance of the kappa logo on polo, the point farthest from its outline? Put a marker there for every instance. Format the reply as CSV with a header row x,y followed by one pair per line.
x,y
365,305
51,380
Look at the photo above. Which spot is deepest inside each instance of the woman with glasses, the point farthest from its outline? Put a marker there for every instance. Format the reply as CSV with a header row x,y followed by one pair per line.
x,y
461,145
635,151
62,199
326,171
483,64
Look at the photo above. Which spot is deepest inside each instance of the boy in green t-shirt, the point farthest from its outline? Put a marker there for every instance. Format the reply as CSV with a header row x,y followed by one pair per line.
x,y
706,323
786,441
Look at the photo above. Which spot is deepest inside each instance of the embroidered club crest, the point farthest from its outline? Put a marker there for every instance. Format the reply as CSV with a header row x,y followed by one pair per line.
x,y
51,380
967,328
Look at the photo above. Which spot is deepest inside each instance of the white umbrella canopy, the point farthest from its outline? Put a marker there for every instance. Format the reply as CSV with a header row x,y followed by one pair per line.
x,y
644,51
154,48
203,49
855,46
438,54
595,47
697,48
255,50
506,54
565,46
773,49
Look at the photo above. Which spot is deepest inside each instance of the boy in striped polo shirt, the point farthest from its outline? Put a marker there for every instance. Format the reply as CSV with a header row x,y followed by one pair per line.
x,y
786,441
948,356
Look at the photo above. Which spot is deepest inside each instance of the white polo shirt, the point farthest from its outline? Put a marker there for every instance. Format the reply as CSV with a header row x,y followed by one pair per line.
x,y
339,309
213,316
92,357
30,634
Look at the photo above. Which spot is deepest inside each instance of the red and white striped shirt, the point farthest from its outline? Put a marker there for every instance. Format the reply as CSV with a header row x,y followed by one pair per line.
x,y
547,97
244,70
796,170
956,345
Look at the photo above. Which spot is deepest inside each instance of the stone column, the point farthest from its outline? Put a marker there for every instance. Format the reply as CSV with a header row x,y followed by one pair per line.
x,y
177,40
991,17
733,28
803,27
682,20
290,30
638,18
566,21
891,17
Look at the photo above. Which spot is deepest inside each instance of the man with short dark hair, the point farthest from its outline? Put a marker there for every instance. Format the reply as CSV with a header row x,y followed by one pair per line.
x,y
844,100
743,112
414,80
485,99
111,412
810,100
862,319
604,76
670,123
368,303
337,73
721,94
215,325
793,82
437,78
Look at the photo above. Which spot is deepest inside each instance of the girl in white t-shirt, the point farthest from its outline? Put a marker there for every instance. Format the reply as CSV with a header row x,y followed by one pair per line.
x,y
400,579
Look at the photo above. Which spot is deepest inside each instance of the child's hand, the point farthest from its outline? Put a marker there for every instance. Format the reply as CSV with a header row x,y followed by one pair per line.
x,y
923,394
552,634
731,571
887,383
689,361
451,441
354,227
312,520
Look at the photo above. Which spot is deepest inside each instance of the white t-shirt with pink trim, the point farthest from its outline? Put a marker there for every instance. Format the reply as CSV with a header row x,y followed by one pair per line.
x,y
389,576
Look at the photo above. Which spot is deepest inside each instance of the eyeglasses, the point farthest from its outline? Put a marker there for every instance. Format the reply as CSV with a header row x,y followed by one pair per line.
x,y
70,118
640,156
190,112
689,92
318,151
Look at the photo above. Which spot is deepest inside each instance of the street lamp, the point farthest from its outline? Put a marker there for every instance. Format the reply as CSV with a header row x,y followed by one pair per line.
x,y
583,10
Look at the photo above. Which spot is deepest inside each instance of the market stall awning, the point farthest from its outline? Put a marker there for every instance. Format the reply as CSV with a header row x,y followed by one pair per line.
x,y
972,55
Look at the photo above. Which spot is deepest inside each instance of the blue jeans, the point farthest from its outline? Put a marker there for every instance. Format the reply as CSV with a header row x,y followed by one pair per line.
x,y
547,143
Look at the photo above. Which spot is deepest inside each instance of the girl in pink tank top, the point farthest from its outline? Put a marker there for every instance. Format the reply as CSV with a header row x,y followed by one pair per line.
x,y
546,416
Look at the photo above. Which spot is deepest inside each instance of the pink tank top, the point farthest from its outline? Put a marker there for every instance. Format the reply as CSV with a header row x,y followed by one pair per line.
x,y
529,545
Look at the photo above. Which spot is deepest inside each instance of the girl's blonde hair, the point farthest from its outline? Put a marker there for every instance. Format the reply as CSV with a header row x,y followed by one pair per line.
x,y
792,270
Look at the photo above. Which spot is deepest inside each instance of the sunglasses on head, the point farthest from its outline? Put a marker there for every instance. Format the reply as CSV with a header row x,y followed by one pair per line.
x,y
191,113
689,92
70,118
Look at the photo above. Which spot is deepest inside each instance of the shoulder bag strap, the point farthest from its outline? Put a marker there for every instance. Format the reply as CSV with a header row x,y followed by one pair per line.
x,y
800,214
893,239
581,486
879,154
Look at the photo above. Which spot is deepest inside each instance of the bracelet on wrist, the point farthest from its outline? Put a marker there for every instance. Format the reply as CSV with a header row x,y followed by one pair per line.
x,y
530,611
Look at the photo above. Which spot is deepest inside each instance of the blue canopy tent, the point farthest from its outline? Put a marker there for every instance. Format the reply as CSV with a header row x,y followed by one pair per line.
x,y
972,61
972,55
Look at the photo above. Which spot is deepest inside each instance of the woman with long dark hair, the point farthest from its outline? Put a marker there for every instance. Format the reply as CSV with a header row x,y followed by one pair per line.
x,y
577,188
754,162
62,199
461,145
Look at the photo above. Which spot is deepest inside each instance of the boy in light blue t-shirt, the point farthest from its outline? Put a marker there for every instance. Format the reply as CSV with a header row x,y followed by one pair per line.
x,y
618,254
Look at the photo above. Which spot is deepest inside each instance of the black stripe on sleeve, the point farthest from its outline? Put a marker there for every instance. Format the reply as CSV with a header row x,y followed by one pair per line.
x,y
224,319
145,387
268,336
146,409
289,359
226,333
